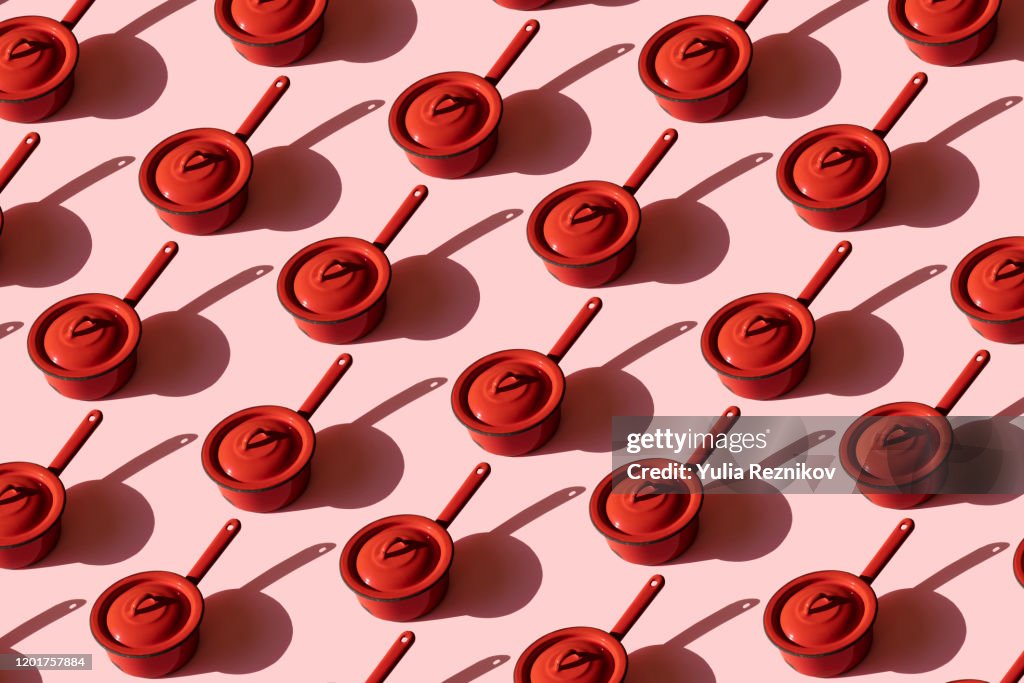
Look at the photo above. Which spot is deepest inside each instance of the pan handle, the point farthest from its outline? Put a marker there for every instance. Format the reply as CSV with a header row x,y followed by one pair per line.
x,y
963,382
639,605
903,101
896,539
721,426
270,98
216,548
512,52
18,158
825,273
74,444
392,657
462,496
330,380
76,13
651,160
152,272
401,217
749,13
1016,672
575,329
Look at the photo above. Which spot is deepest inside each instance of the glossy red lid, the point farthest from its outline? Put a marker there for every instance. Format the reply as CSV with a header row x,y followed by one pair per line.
x,y
334,279
151,611
947,20
36,55
644,510
897,443
996,281
822,613
258,447
445,114
508,390
759,333
31,500
396,556
87,335
584,222
833,167
695,58
580,654
1018,563
195,170
269,17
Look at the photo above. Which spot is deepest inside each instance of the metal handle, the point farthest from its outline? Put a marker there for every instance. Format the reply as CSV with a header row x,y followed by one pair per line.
x,y
401,217
392,657
76,13
899,107
963,382
74,444
825,273
721,426
162,259
512,52
896,539
216,548
270,98
651,160
18,158
576,328
330,379
750,12
639,605
472,484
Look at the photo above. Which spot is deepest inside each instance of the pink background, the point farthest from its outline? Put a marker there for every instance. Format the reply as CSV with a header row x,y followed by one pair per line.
x,y
696,252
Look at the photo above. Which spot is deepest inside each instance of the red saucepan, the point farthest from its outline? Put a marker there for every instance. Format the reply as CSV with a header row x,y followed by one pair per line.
x,y
399,566
511,401
899,453
336,289
198,179
272,32
697,67
149,622
945,32
32,501
391,659
17,159
760,344
835,176
38,56
586,232
1018,563
260,457
448,123
582,653
822,622
988,287
648,520
1014,675
86,344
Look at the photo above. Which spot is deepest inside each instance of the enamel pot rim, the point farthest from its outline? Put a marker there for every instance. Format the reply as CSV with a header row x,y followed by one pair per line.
x,y
58,496
653,46
150,164
792,156
306,448
68,41
962,273
599,515
465,79
593,635
100,610
899,21
939,456
617,193
709,336
1018,563
778,601
465,381
286,280
228,25
350,554
37,333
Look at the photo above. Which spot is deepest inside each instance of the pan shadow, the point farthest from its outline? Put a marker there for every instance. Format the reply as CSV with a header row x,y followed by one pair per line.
x,y
363,32
478,669
673,660
856,352
432,296
356,464
593,396
794,74
918,629
544,130
106,520
495,574
183,353
1009,43
23,631
119,75
746,520
7,329
681,239
293,186
985,467
244,629
932,183
45,243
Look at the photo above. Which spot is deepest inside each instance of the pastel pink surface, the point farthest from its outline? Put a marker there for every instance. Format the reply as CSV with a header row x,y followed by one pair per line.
x,y
254,354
